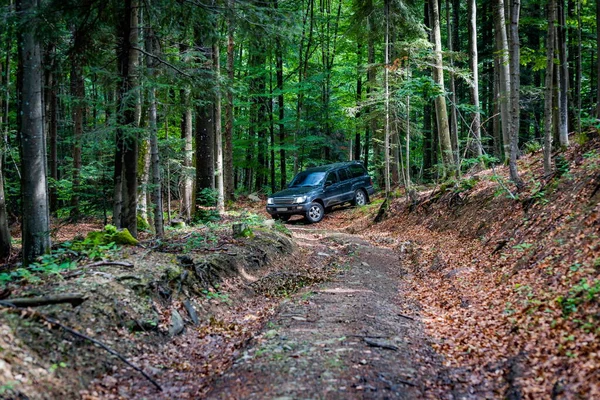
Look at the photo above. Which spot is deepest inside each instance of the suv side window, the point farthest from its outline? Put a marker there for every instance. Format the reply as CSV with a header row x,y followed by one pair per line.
x,y
357,170
343,174
331,178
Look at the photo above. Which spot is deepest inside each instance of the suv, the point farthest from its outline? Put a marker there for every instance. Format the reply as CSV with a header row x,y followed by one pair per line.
x,y
315,190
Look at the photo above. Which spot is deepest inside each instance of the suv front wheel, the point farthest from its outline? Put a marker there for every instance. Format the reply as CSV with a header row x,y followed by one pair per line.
x,y
315,212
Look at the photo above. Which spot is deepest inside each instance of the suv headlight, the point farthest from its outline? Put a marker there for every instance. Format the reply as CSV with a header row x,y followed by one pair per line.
x,y
270,200
300,199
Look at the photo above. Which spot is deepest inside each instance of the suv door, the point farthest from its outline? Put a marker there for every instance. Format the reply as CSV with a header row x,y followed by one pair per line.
x,y
331,189
346,190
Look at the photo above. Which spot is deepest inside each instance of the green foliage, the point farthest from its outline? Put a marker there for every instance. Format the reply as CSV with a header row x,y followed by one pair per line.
x,y
533,146
205,215
207,197
579,294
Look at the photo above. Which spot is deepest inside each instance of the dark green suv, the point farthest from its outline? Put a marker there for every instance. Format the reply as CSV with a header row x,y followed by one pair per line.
x,y
315,190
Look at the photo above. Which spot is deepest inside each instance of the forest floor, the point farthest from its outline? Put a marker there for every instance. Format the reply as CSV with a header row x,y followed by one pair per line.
x,y
472,290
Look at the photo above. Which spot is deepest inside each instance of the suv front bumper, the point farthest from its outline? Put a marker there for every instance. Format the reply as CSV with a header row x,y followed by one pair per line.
x,y
287,209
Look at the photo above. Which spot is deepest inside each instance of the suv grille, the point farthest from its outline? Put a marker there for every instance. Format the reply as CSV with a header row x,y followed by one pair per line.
x,y
284,200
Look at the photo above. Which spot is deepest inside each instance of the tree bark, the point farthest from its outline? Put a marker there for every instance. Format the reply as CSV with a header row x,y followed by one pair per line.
x,y
5,238
598,59
218,133
281,107
453,114
359,125
77,113
126,155
563,77
187,138
549,89
157,199
474,65
504,76
440,101
228,177
515,87
386,83
36,215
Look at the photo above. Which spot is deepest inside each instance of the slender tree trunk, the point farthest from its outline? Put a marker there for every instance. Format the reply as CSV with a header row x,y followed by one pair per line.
x,y
598,59
453,114
36,215
440,101
504,76
515,87
144,200
280,106
563,77
549,89
228,171
187,138
153,128
218,132
386,145
77,111
5,239
359,125
474,65
51,104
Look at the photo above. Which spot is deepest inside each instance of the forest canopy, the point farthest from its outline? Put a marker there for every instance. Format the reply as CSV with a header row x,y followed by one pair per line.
x,y
138,112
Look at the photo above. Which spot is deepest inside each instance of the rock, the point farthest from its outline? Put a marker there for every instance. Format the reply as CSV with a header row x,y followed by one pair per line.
x,y
254,197
364,264
191,312
323,255
178,223
269,223
177,324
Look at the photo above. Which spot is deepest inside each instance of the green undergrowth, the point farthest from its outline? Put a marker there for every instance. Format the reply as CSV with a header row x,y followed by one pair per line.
x,y
96,245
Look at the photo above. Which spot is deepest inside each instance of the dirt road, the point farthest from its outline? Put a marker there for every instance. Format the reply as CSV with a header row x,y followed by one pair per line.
x,y
355,337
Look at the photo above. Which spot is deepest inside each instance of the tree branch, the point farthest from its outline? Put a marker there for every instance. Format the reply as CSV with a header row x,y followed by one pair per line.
x,y
160,60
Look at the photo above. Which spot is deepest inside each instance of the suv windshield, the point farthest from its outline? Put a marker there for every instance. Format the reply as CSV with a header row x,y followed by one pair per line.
x,y
307,179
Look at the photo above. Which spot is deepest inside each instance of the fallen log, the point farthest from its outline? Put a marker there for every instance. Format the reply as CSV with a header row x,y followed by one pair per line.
x,y
74,299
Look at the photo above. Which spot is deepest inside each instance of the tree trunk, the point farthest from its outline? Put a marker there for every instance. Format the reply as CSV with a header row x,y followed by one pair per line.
x,y
549,89
359,125
440,101
5,239
187,138
281,107
474,65
504,76
36,216
515,87
205,165
453,114
598,59
157,199
228,171
386,83
563,77
126,155
218,132
77,111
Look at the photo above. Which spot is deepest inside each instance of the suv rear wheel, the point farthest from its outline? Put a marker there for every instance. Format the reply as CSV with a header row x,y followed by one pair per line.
x,y
360,198
315,212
